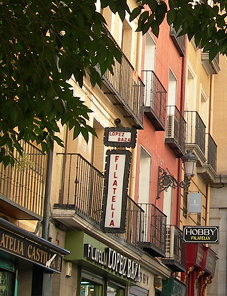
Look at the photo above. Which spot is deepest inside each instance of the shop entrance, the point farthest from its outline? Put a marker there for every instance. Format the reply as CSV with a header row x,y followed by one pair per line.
x,y
94,285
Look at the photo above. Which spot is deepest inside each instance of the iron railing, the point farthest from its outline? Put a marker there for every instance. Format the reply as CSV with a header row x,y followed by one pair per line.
x,y
175,131
23,183
175,248
82,189
154,96
81,186
195,129
154,227
211,152
134,223
126,86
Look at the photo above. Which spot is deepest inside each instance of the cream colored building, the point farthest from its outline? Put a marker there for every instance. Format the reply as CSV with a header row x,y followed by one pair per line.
x,y
200,139
218,204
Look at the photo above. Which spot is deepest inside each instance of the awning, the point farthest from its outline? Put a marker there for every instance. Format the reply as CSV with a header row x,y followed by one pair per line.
x,y
26,245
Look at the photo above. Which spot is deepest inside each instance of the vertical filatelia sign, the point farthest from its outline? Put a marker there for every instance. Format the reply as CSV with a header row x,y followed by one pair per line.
x,y
115,190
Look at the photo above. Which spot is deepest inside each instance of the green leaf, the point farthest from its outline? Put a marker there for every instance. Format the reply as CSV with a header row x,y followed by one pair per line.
x,y
136,11
171,15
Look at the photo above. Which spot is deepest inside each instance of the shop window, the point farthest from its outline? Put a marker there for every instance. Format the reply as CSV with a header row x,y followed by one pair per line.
x,y
91,284
88,288
6,283
115,290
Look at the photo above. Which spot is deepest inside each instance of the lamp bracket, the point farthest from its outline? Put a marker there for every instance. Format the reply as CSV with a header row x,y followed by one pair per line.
x,y
165,180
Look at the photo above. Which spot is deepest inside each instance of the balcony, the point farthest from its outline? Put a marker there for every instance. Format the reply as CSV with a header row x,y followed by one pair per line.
x,y
154,235
179,42
175,131
22,186
175,249
208,171
81,198
195,135
210,67
154,100
125,89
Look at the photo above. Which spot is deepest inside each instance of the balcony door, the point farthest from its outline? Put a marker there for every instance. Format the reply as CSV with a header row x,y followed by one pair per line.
x,y
172,89
149,66
144,187
167,205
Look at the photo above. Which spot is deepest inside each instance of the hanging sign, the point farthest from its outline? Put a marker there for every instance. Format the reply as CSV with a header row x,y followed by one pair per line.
x,y
115,190
194,202
120,137
201,234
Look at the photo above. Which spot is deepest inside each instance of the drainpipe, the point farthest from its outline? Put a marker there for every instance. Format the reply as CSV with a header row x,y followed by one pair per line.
x,y
47,195
47,277
179,164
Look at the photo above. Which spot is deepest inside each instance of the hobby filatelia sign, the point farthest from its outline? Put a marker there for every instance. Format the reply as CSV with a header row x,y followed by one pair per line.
x,y
201,234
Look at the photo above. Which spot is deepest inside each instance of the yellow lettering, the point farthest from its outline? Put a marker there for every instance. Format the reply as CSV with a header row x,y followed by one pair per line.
x,y
2,243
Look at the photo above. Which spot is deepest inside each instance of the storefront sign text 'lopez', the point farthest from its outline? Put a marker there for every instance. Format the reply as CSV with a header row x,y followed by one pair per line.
x,y
114,261
115,190
120,137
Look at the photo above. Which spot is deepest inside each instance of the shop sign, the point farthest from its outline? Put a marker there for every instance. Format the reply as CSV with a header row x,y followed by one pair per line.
x,y
120,137
113,261
201,234
194,202
30,251
115,190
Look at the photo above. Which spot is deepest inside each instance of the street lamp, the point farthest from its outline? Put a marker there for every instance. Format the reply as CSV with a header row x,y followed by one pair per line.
x,y
165,180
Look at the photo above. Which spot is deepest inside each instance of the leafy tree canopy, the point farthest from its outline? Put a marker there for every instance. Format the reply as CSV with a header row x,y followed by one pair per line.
x,y
43,43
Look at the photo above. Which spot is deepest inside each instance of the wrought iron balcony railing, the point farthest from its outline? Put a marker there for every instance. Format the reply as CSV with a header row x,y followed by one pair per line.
x,y
175,131
195,135
195,130
154,100
211,152
126,88
22,186
154,235
82,190
175,249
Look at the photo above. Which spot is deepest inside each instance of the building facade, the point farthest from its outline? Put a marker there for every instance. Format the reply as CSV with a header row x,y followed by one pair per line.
x,y
106,217
195,207
218,188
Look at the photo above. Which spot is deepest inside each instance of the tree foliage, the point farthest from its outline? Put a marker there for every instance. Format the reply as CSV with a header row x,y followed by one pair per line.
x,y
43,43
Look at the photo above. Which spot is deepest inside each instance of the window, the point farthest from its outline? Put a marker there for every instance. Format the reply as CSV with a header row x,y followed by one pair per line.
x,y
172,89
98,147
204,106
88,288
126,42
190,102
91,284
144,186
150,53
167,205
115,290
6,283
